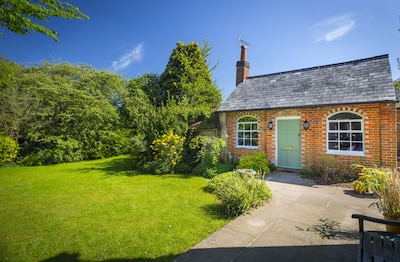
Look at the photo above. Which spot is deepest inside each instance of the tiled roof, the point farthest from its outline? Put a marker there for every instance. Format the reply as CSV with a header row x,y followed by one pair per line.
x,y
360,81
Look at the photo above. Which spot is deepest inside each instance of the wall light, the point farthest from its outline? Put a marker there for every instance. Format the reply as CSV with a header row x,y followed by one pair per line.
x,y
270,125
306,125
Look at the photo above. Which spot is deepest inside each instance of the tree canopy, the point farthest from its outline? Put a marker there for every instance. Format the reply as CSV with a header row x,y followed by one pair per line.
x,y
187,76
21,17
62,112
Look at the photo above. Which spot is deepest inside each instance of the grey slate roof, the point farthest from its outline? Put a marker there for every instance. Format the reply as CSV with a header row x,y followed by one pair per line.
x,y
360,81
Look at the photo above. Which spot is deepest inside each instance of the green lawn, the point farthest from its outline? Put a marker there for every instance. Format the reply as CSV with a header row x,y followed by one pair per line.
x,y
100,210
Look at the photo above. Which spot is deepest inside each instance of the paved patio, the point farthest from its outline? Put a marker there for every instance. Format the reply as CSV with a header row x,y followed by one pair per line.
x,y
302,222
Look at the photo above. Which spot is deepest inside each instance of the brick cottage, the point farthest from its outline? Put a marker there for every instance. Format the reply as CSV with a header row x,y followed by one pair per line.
x,y
345,110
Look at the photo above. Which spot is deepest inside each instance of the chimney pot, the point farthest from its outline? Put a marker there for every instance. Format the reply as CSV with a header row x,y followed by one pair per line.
x,y
243,53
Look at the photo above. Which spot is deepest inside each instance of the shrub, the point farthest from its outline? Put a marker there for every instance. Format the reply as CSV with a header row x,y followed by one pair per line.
x,y
58,151
370,179
239,194
140,151
210,156
258,161
389,195
183,168
8,149
167,151
225,167
329,169
204,170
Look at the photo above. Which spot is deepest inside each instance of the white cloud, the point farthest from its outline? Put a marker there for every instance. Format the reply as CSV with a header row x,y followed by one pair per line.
x,y
334,28
128,58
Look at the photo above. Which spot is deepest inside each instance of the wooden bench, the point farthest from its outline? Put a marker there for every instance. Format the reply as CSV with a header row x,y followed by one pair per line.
x,y
377,246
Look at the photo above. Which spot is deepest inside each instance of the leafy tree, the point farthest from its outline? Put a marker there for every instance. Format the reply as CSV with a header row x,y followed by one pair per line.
x,y
173,115
18,16
150,84
8,70
397,84
63,112
187,76
17,107
8,149
136,109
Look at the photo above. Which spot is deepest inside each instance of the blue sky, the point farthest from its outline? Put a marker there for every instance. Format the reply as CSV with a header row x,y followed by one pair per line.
x,y
137,37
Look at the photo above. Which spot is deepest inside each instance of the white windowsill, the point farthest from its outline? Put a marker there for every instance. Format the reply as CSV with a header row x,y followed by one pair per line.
x,y
248,147
346,153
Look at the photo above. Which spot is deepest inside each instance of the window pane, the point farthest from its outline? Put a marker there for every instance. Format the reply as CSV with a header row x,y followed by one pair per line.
x,y
355,125
357,137
333,136
345,146
333,146
345,136
247,133
344,125
357,147
349,136
333,126
247,119
344,116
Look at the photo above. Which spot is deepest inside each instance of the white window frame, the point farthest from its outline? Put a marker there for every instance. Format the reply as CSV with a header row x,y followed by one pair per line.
x,y
249,132
351,147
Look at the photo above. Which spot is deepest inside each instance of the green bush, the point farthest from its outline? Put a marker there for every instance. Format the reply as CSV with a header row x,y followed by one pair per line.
x,y
225,167
167,151
209,156
211,171
183,168
239,194
139,151
8,149
258,161
204,170
59,150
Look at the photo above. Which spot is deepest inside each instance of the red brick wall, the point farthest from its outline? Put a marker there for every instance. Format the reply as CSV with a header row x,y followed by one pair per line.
x,y
380,132
398,133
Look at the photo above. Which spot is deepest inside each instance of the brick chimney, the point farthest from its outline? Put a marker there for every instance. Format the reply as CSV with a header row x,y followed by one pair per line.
x,y
242,67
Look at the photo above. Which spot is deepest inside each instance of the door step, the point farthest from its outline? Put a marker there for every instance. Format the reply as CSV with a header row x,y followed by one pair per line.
x,y
288,170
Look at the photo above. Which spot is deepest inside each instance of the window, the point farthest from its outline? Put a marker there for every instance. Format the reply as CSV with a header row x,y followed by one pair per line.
x,y
247,132
345,134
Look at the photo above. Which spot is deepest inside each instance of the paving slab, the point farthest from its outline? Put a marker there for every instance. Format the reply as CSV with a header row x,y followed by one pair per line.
x,y
302,222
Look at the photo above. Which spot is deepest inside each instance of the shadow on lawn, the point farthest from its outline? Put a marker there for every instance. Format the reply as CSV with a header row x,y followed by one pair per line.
x,y
119,166
74,257
122,166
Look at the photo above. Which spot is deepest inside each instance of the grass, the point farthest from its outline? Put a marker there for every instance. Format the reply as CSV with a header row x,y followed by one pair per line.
x,y
100,210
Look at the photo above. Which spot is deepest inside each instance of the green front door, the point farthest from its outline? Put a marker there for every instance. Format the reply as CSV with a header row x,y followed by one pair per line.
x,y
289,143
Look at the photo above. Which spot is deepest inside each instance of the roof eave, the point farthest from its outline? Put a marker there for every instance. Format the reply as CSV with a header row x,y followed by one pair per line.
x,y
307,106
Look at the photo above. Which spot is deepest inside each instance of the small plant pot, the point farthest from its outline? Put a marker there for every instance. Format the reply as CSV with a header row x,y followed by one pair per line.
x,y
390,228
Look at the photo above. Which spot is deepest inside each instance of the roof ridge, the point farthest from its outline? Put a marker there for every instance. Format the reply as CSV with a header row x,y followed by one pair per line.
x,y
324,66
